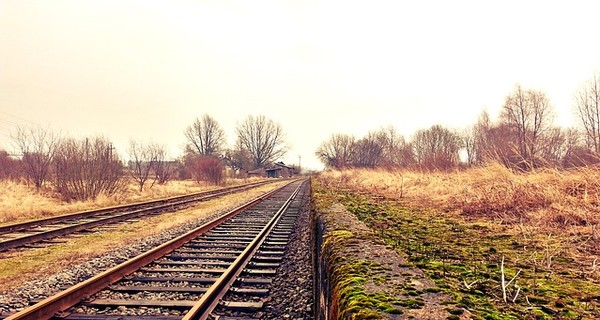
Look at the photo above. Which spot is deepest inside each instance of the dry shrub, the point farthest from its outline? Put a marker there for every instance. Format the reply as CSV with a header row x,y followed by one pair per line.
x,y
210,169
551,197
206,169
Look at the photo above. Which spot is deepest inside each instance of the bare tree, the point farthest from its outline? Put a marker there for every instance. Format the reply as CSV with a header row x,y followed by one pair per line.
x,y
396,152
38,146
142,159
238,160
205,136
87,168
262,138
469,146
553,147
482,142
163,169
10,167
337,151
530,114
368,151
587,104
436,148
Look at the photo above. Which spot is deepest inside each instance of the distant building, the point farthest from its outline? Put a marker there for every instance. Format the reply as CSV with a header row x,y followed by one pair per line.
x,y
260,172
277,170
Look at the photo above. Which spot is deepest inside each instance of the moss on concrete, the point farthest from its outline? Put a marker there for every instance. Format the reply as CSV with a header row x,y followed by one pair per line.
x,y
367,278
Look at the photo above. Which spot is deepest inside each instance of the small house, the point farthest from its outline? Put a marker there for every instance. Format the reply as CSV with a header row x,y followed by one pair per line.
x,y
277,170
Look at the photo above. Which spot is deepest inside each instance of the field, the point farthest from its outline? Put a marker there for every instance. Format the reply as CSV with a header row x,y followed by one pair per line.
x,y
20,202
504,245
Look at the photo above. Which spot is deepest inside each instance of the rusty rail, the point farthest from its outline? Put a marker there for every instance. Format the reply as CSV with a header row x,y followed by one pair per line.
x,y
50,306
202,309
160,204
89,213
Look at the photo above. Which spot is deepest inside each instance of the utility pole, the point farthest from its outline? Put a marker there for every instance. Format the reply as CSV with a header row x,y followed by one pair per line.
x,y
299,164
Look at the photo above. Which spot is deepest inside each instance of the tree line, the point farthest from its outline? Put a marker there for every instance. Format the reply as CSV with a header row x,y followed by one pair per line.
x,y
81,169
524,137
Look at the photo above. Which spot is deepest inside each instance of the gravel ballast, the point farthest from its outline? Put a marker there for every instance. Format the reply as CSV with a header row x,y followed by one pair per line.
x,y
292,288
291,295
36,290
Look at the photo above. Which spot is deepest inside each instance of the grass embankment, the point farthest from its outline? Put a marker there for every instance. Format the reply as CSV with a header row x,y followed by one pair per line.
x,y
459,227
20,202
366,278
17,268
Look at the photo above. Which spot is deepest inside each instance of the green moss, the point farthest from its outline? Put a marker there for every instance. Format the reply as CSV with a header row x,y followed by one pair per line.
x,y
412,303
456,311
349,275
453,252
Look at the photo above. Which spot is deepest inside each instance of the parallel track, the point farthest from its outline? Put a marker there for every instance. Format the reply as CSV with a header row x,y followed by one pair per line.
x,y
231,257
31,232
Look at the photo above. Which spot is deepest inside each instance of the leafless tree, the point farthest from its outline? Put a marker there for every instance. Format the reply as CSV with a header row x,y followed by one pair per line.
x,y
238,160
436,148
38,146
368,151
205,136
262,138
142,159
587,104
530,114
10,167
337,151
469,146
483,146
396,152
163,169
87,168
553,147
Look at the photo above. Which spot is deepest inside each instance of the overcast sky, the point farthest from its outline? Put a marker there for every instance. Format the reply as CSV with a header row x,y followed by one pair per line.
x,y
143,70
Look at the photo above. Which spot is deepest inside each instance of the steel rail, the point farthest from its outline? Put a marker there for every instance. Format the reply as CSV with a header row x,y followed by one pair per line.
x,y
61,301
126,215
107,210
202,309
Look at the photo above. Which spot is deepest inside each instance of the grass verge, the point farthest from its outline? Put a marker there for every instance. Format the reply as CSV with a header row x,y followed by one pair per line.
x,y
20,202
367,279
468,258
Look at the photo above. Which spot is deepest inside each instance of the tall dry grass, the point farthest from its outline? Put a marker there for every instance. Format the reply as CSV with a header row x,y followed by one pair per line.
x,y
21,202
546,198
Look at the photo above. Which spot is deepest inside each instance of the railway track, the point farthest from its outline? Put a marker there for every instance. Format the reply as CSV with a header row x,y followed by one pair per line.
x,y
221,270
42,232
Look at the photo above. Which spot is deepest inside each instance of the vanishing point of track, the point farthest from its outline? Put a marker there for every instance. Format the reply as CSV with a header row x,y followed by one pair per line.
x,y
39,231
216,271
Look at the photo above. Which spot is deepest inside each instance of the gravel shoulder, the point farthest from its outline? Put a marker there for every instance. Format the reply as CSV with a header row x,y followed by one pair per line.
x,y
291,296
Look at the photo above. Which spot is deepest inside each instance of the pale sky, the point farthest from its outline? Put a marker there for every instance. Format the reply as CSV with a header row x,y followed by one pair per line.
x,y
143,70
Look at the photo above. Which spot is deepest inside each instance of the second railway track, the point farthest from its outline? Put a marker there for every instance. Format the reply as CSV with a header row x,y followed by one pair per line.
x,y
37,231
222,269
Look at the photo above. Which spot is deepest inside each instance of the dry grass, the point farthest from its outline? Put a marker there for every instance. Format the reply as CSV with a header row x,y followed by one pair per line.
x,y
543,202
458,227
18,268
20,202
556,197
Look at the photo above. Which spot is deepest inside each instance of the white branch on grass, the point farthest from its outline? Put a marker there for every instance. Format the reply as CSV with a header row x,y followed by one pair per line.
x,y
505,285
